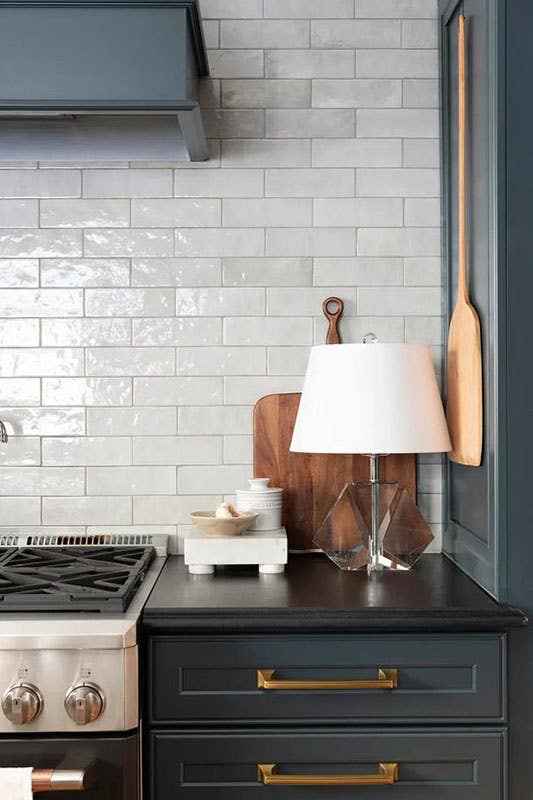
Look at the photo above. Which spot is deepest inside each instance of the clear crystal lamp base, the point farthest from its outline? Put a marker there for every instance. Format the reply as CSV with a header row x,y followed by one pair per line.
x,y
375,525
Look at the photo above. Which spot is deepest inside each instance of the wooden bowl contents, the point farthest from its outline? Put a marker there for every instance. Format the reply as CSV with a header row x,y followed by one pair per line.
x,y
214,526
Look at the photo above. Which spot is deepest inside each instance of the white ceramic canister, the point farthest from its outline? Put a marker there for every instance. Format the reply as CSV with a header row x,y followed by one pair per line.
x,y
266,500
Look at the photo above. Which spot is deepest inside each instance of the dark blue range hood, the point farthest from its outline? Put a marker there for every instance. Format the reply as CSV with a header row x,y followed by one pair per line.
x,y
86,58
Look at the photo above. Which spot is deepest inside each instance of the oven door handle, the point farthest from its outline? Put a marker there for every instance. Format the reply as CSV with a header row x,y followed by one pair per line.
x,y
58,780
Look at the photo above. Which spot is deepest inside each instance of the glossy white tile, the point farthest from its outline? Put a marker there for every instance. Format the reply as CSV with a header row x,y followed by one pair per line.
x,y
131,421
314,122
271,212
19,272
40,362
35,243
216,242
269,330
20,451
250,389
238,450
87,511
358,271
220,302
189,213
131,361
176,272
181,331
19,333
33,421
84,213
131,480
129,302
40,183
85,272
175,450
267,271
267,33
152,242
357,152
218,478
356,212
309,182
221,361
127,183
287,360
85,332
310,242
355,33
41,481
19,213
218,183
20,510
214,420
87,451
20,391
87,391
178,391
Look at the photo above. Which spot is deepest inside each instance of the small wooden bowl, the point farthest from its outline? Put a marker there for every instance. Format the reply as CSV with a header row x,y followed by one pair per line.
x,y
212,526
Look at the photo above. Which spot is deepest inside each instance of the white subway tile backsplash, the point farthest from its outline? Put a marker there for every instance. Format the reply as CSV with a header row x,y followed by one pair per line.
x,y
423,271
131,480
35,481
398,241
236,63
182,391
310,242
228,123
21,451
308,8
152,242
421,153
78,272
127,183
266,93
397,63
357,152
19,272
398,183
131,361
34,243
356,33
267,272
316,122
174,450
176,272
306,302
35,421
86,391
20,391
20,510
19,213
420,33
367,212
238,9
410,301
220,302
184,331
147,305
221,361
129,302
218,183
287,360
85,332
422,212
309,64
396,8
131,421
84,213
87,510
420,93
357,93
173,213
238,450
40,183
219,478
267,331
266,213
399,122
250,389
87,451
358,271
214,420
309,182
266,152
267,33
43,361
19,333
216,242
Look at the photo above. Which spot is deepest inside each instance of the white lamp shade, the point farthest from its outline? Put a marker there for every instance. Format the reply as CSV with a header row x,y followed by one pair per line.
x,y
370,398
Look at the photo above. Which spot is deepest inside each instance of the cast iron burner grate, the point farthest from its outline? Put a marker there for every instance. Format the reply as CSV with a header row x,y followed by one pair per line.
x,y
71,578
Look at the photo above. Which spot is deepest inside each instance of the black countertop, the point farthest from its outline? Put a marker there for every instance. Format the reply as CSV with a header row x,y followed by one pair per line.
x,y
314,595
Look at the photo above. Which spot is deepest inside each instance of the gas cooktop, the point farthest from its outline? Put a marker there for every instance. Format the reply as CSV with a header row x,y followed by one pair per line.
x,y
101,579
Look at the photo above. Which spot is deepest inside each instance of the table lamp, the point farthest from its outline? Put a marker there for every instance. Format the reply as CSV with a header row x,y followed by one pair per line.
x,y
374,399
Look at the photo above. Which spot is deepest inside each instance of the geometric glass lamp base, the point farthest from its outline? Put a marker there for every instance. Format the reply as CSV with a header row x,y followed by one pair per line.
x,y
345,536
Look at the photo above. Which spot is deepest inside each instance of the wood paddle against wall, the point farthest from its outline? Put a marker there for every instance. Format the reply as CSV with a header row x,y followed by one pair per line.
x,y
312,482
464,410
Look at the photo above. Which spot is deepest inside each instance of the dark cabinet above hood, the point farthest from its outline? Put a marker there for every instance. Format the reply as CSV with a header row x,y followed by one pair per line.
x,y
85,58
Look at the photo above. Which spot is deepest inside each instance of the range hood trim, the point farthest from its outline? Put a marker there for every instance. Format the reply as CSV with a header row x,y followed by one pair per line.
x,y
186,109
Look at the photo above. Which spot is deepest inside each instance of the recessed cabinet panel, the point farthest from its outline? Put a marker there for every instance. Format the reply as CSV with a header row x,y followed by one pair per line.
x,y
334,678
426,765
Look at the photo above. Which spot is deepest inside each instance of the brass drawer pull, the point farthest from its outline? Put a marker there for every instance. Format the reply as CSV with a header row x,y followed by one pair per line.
x,y
387,679
387,775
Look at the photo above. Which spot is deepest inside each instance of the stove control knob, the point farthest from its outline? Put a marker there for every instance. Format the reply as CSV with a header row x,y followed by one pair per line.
x,y
84,703
22,703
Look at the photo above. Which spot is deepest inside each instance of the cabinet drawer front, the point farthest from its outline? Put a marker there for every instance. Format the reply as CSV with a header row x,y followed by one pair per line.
x,y
426,765
326,678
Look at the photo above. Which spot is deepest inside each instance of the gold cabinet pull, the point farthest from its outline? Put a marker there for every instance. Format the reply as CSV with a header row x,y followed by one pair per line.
x,y
387,775
387,679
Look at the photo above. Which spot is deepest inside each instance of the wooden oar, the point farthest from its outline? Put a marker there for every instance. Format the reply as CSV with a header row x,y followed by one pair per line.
x,y
465,395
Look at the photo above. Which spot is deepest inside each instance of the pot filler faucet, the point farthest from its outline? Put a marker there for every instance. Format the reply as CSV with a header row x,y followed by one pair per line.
x,y
3,433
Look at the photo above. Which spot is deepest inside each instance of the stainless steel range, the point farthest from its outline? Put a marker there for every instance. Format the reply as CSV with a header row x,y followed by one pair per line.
x,y
69,658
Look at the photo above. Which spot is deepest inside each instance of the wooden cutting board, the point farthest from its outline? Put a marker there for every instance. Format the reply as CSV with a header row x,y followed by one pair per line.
x,y
464,408
311,482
